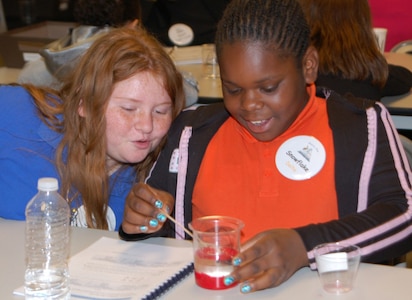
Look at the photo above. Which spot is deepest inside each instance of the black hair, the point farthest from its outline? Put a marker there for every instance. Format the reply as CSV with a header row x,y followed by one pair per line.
x,y
279,25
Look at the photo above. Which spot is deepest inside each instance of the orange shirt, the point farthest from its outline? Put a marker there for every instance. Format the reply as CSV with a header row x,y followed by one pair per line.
x,y
241,177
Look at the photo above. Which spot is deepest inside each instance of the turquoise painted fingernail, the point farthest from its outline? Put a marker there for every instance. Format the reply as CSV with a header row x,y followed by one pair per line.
x,y
229,280
153,223
237,261
245,288
161,218
143,228
167,210
158,204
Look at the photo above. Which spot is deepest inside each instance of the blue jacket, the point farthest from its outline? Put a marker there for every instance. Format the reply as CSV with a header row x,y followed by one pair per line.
x,y
27,151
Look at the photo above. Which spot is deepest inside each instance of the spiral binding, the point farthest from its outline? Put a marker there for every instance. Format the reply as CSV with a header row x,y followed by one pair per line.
x,y
171,282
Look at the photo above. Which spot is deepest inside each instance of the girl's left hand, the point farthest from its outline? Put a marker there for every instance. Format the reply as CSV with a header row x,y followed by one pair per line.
x,y
268,259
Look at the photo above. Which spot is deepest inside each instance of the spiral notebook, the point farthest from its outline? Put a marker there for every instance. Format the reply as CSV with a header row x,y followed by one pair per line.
x,y
115,269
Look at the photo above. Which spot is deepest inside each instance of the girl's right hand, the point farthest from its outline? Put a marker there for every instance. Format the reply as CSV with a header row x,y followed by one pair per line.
x,y
145,209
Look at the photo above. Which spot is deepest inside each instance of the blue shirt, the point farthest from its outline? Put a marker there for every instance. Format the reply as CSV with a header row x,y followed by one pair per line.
x,y
27,152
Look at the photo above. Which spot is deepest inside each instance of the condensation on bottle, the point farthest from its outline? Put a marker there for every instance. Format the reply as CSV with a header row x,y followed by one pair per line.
x,y
47,243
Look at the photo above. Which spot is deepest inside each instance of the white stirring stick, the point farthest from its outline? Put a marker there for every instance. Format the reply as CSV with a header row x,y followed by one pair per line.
x,y
177,223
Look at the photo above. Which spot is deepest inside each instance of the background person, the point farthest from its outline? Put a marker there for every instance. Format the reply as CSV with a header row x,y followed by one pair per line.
x,y
303,166
95,18
349,58
201,16
350,61
99,134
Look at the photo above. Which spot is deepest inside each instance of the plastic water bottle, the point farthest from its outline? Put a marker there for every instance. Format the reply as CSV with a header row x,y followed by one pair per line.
x,y
47,243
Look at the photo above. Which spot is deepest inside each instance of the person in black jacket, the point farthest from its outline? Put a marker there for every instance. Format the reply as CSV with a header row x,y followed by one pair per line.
x,y
300,166
201,16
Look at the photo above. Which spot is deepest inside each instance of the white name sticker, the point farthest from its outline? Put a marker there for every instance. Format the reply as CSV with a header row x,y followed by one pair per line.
x,y
300,157
180,34
174,161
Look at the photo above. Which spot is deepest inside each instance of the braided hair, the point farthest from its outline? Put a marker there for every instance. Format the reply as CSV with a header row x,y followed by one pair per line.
x,y
279,25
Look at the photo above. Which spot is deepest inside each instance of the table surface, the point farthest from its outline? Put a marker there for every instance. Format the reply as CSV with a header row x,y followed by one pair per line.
x,y
400,59
210,89
400,106
373,281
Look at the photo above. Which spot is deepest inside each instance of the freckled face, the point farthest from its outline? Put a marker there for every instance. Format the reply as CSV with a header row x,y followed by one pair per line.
x,y
138,116
262,91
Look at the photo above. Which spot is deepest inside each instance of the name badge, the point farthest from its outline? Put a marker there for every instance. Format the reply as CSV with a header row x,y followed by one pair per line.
x,y
174,161
180,34
300,157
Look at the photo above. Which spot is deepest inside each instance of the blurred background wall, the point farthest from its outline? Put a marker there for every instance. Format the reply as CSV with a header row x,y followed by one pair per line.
x,y
396,16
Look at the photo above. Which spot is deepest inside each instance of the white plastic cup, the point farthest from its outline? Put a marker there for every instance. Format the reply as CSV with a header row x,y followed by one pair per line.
x,y
380,34
337,265
208,53
209,60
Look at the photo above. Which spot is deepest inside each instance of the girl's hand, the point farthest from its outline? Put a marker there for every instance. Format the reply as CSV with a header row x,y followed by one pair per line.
x,y
145,209
268,259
